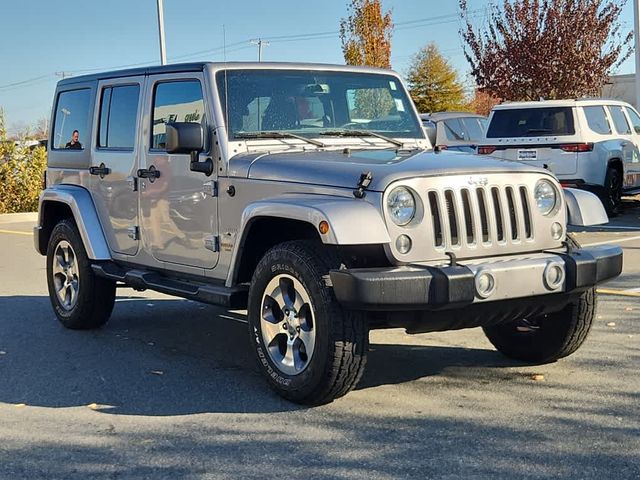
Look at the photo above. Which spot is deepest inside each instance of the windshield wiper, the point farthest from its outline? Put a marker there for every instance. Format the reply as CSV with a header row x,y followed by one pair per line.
x,y
267,134
362,133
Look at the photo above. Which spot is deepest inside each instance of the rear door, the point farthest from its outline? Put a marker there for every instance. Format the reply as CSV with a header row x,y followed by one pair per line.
x,y
115,160
542,136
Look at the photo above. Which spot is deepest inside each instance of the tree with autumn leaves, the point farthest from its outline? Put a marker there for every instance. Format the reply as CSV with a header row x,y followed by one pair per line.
x,y
552,49
366,34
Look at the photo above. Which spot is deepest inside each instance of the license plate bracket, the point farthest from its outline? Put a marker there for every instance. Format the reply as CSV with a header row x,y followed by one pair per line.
x,y
527,154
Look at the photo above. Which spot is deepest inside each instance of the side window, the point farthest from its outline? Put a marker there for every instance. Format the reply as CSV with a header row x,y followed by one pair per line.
x,y
597,120
619,120
118,115
454,130
635,119
179,101
71,122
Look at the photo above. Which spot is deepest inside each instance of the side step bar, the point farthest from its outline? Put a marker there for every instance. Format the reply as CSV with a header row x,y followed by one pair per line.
x,y
234,298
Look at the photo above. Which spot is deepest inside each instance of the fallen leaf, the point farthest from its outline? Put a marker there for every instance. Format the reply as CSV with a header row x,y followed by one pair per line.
x,y
20,405
611,324
93,406
151,344
2,352
156,372
628,309
537,377
599,317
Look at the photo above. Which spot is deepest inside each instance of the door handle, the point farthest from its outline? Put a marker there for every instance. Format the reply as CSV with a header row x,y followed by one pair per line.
x,y
101,171
151,173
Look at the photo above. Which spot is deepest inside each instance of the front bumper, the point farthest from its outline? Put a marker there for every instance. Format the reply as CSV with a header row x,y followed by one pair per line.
x,y
419,287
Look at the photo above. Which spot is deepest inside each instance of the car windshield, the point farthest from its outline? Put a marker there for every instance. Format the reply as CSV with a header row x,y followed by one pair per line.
x,y
315,104
529,122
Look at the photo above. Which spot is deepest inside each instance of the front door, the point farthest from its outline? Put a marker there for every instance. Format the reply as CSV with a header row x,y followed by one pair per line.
x,y
115,157
179,207
634,119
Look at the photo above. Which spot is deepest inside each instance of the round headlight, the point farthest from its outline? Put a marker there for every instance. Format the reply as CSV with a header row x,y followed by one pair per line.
x,y
546,197
401,206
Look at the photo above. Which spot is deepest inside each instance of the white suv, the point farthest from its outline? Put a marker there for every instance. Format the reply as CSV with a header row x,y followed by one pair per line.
x,y
590,144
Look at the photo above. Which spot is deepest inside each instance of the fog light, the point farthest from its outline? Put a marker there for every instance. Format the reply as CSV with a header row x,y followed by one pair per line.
x,y
554,275
403,244
485,283
557,231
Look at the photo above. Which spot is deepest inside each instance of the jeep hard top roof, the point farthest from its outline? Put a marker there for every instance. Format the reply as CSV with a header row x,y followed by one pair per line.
x,y
560,103
216,66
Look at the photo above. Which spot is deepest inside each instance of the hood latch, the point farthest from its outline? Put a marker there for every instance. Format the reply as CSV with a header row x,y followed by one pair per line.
x,y
363,184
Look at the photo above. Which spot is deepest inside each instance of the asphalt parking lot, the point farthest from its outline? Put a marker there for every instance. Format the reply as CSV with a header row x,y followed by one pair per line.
x,y
168,389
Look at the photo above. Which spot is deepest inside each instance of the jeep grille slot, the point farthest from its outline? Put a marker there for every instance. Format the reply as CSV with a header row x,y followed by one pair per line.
x,y
526,212
453,218
513,217
495,196
482,206
435,219
468,218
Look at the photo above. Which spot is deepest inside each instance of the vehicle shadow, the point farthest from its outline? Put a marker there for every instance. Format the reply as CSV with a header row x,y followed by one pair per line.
x,y
170,357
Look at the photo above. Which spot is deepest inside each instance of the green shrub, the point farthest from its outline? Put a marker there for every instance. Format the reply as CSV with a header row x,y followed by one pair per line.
x,y
21,177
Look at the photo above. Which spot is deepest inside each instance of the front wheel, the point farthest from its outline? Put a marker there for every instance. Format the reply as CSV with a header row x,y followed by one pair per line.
x,y
80,299
309,348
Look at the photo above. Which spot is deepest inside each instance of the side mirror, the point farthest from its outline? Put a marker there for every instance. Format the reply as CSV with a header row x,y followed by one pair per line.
x,y
186,137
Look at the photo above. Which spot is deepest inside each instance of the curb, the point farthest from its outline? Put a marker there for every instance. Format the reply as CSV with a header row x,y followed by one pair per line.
x,y
19,217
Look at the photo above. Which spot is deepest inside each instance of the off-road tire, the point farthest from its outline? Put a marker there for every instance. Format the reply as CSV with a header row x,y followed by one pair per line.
x,y
559,334
611,194
95,296
342,339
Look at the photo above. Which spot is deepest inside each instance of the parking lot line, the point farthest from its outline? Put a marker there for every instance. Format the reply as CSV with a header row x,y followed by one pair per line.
x,y
15,232
621,293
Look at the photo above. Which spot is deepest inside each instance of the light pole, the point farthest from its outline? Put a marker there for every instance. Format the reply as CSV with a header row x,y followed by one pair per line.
x,y
163,50
260,43
65,113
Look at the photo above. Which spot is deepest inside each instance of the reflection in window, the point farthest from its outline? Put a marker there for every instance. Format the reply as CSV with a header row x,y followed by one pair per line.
x,y
175,102
118,115
70,128
619,120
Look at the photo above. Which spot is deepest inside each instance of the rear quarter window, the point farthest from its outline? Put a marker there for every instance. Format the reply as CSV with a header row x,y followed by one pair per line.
x,y
531,122
597,120
619,120
71,122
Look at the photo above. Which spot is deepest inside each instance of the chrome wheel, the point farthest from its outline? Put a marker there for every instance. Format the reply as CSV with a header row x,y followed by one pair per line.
x,y
287,324
66,279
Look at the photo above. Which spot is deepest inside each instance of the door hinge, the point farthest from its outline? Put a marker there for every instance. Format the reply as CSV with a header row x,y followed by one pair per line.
x,y
133,233
212,242
210,188
133,183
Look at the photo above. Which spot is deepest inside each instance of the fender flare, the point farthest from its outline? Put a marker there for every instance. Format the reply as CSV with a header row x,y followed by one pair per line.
x,y
351,221
584,208
84,214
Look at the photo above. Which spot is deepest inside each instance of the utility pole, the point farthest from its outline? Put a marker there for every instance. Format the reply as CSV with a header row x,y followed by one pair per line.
x,y
636,39
163,49
64,75
260,43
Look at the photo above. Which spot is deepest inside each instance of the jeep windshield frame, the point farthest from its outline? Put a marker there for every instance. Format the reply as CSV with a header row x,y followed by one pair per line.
x,y
315,103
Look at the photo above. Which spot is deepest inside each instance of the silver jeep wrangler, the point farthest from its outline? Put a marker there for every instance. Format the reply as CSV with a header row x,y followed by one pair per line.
x,y
309,195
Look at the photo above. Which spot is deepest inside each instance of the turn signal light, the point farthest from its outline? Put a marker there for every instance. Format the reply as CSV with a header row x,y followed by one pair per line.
x,y
323,227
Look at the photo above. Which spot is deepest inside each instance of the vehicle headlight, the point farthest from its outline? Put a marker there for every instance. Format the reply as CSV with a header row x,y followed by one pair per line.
x,y
546,196
401,206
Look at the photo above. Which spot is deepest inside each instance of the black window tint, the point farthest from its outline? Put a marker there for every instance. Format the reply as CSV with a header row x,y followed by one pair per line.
x,y
635,119
72,113
619,120
175,102
531,122
118,115
597,120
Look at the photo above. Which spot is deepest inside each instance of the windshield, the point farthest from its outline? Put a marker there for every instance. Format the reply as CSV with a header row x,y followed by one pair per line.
x,y
315,103
528,122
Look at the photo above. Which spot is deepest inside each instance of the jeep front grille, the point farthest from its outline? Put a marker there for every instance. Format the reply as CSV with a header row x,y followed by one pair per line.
x,y
479,215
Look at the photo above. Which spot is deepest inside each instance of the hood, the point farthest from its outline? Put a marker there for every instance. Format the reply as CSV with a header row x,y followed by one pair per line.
x,y
338,169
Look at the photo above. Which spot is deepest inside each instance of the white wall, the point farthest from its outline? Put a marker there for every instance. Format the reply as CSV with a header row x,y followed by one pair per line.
x,y
622,87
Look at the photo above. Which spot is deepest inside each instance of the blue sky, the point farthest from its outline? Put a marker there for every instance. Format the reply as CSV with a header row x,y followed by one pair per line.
x,y
42,37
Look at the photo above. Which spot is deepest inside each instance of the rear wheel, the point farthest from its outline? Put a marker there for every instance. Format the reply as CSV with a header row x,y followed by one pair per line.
x,y
80,299
612,195
309,348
